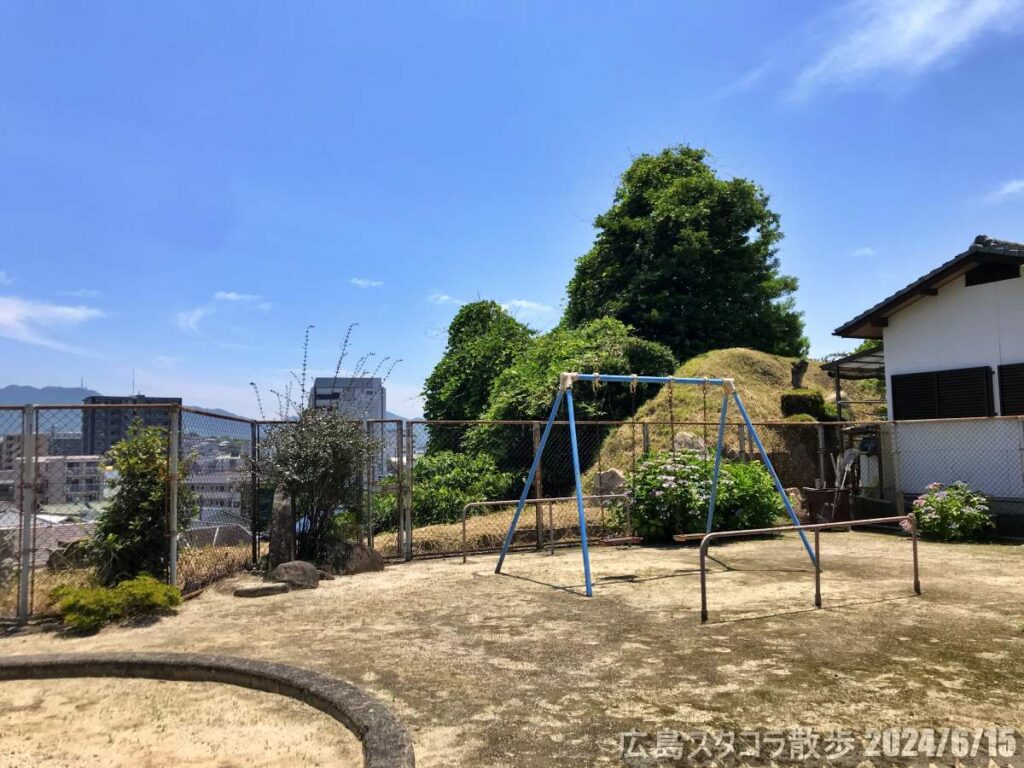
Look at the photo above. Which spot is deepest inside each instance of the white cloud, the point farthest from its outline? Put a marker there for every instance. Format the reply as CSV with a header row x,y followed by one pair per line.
x,y
82,293
1011,188
362,282
26,321
443,298
189,320
902,38
233,296
167,361
4,279
865,251
749,79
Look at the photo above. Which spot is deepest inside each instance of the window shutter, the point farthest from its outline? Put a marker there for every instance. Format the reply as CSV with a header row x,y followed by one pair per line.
x,y
1011,389
965,392
914,396
953,394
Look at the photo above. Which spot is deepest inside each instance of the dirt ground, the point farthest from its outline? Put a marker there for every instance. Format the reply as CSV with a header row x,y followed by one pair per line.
x,y
521,670
151,724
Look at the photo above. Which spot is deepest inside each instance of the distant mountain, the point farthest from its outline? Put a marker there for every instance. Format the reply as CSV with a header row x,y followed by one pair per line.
x,y
16,394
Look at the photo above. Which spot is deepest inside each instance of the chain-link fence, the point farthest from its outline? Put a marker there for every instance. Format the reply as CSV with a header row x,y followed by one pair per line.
x,y
225,519
58,483
12,431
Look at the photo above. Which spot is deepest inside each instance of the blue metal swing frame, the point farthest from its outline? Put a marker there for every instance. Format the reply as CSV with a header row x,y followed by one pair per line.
x,y
565,385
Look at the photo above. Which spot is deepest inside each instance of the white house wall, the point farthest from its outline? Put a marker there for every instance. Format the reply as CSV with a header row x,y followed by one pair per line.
x,y
961,327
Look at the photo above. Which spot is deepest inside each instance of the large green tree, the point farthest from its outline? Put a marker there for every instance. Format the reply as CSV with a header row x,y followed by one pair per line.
x,y
689,259
483,340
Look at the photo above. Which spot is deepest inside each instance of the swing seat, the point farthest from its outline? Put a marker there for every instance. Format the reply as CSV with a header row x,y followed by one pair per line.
x,y
616,541
681,537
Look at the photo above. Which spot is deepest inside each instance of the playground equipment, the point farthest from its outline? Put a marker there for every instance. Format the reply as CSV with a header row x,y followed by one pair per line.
x,y
565,385
908,522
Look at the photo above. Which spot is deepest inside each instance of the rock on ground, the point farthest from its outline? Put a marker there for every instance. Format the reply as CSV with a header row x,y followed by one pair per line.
x,y
261,590
610,481
297,574
355,557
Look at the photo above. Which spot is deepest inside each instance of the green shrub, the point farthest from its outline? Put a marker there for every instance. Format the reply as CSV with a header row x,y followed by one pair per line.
x,y
952,513
670,494
801,417
131,532
443,483
87,609
798,401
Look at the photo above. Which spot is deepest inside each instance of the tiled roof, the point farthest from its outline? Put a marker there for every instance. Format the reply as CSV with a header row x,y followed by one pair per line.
x,y
982,249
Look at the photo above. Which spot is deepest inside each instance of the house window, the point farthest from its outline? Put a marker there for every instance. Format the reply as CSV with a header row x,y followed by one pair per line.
x,y
953,394
1011,389
991,272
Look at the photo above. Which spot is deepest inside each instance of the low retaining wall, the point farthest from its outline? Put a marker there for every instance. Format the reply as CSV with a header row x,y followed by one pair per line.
x,y
386,742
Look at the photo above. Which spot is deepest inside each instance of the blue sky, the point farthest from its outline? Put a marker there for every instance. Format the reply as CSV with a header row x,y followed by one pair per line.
x,y
185,186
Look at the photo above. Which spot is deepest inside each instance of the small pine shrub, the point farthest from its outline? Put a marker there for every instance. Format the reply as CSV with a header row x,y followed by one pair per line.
x,y
87,609
952,512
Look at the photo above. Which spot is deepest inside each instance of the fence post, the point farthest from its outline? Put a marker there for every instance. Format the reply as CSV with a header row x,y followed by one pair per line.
x,y
409,449
538,488
28,505
897,475
172,497
646,431
371,478
822,451
255,491
400,481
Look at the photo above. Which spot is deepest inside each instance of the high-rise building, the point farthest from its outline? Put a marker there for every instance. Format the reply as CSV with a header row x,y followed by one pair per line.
x,y
102,427
362,397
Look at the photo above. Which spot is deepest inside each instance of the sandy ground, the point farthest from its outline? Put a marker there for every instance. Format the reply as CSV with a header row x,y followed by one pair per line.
x,y
520,670
151,724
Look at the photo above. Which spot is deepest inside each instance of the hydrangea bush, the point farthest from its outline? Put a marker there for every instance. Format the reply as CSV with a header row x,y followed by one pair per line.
x,y
952,512
670,494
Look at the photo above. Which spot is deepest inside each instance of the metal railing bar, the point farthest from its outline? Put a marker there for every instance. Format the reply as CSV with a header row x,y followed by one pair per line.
x,y
512,503
816,528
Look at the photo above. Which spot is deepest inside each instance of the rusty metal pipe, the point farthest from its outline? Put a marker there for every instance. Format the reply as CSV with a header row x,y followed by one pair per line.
x,y
815,527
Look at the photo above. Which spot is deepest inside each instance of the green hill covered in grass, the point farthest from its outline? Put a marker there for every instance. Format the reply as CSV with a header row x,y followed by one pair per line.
x,y
761,379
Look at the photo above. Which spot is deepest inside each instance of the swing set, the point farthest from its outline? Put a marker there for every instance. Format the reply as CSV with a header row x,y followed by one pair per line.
x,y
565,388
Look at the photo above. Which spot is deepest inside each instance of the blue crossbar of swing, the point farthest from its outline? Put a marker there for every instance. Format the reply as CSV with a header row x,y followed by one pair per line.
x,y
616,378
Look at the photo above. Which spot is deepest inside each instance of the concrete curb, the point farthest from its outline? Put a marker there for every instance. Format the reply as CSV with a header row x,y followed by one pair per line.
x,y
386,742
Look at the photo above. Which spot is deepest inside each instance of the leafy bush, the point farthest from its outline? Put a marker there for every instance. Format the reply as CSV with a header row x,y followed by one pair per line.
x,y
443,483
318,462
670,494
87,609
131,533
952,512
